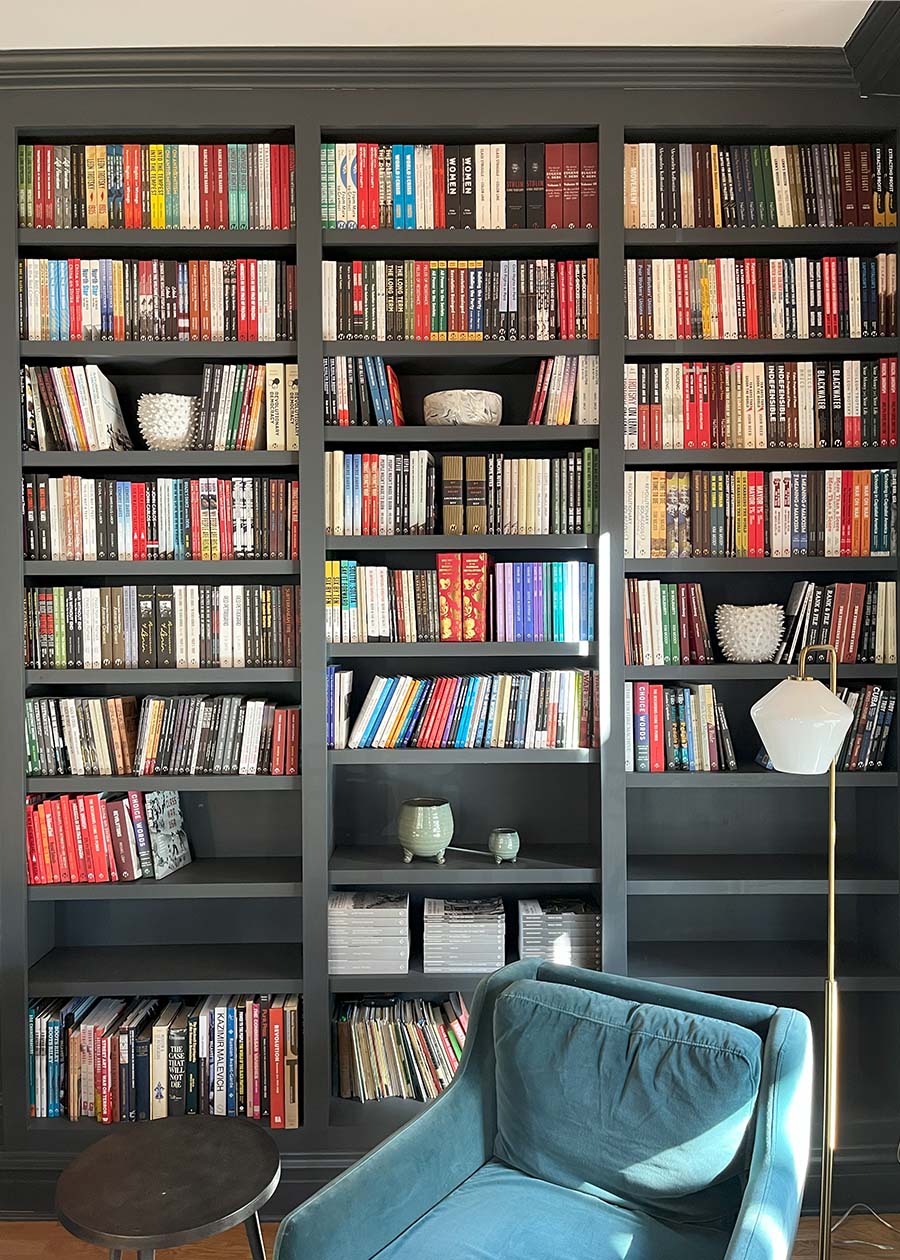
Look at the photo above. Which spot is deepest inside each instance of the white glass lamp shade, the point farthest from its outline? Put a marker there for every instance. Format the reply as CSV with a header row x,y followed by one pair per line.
x,y
802,725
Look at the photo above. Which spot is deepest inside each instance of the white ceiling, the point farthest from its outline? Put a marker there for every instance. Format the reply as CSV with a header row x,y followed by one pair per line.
x,y
392,23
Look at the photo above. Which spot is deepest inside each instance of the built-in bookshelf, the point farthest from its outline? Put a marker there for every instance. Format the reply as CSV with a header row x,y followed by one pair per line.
x,y
724,891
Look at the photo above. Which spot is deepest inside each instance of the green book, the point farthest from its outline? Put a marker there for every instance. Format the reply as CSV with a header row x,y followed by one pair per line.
x,y
233,212
673,622
666,623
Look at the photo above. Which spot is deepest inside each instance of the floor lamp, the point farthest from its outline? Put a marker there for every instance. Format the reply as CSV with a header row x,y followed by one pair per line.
x,y
802,724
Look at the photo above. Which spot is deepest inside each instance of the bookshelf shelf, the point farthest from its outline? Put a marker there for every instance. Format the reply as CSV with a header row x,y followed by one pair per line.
x,y
465,355
127,570
767,564
457,542
776,457
375,1119
155,353
755,966
758,348
582,651
751,874
722,671
755,777
135,461
383,865
647,240
235,678
508,241
388,757
205,878
460,435
415,981
154,240
163,782
150,969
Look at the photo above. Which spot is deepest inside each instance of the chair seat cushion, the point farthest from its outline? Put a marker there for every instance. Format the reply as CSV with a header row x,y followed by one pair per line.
x,y
500,1213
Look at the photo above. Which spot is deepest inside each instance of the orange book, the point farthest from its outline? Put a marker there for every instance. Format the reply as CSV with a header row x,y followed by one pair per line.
x,y
449,571
194,299
205,325
865,523
474,573
856,518
279,730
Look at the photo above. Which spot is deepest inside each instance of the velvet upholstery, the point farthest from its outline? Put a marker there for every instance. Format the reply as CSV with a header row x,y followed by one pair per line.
x,y
581,1182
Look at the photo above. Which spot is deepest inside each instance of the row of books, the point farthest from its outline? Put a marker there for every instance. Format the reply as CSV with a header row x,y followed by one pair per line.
x,y
248,407
160,518
360,389
395,1047
567,390
156,185
102,837
71,409
183,735
665,623
676,728
373,494
753,513
677,185
465,598
858,618
118,1060
156,299
755,404
421,186
714,298
162,627
865,745
555,708
514,299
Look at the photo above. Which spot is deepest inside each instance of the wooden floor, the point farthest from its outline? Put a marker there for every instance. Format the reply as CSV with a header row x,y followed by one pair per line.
x,y
44,1240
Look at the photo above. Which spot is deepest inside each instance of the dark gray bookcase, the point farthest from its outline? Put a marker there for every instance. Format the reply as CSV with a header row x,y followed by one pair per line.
x,y
720,886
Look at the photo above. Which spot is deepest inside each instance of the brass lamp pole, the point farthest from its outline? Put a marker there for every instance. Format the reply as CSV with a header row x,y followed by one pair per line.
x,y
803,724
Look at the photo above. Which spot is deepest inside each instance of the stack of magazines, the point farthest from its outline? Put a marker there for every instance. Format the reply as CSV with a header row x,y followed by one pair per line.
x,y
394,1047
368,933
464,935
562,929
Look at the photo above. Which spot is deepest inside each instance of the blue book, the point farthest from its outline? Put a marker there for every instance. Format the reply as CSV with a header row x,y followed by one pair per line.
x,y
558,603
583,606
230,1063
795,513
62,298
329,705
123,506
53,1067
183,299
52,301
691,733
804,512
522,712
387,405
518,634
423,689
409,186
528,602
483,715
492,712
32,1095
397,198
374,391
389,686
106,312
590,614
459,739
348,496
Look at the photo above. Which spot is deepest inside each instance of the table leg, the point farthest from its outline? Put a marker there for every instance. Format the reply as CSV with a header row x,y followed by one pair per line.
x,y
255,1238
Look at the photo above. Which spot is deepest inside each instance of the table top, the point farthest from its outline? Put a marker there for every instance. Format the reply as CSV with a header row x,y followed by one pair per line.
x,y
163,1183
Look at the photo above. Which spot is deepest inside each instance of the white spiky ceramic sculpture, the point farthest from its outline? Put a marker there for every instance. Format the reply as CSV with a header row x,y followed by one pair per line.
x,y
749,634
168,422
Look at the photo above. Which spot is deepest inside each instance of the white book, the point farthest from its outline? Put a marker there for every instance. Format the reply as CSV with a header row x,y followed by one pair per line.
x,y
219,1056
483,217
159,1062
656,623
642,484
498,185
275,404
629,515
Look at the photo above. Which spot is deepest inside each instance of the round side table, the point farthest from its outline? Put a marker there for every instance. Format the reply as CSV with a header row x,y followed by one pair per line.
x,y
170,1182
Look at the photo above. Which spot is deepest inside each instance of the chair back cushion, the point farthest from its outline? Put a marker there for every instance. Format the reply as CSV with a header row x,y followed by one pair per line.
x,y
640,1104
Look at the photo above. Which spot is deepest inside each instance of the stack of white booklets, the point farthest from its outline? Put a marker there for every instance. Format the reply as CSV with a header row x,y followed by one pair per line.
x,y
562,929
368,933
464,935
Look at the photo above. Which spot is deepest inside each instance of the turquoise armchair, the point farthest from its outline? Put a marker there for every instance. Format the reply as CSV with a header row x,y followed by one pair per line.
x,y
592,1118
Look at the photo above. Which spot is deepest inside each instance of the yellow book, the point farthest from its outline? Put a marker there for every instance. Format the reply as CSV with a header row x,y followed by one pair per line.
x,y
657,514
401,714
90,183
716,187
741,507
531,497
157,186
705,315
522,498
102,188
118,296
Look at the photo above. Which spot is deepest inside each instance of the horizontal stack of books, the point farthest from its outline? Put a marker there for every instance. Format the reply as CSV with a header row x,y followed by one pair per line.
x,y
183,735
395,1047
117,1060
101,838
368,933
338,686
157,299
162,627
502,185
672,184
713,298
553,708
466,935
360,389
676,728
565,930
157,185
753,404
858,618
665,623
71,409
161,518
754,513
508,299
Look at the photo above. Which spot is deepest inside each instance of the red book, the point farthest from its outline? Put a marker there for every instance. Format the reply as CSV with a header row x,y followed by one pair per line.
x,y
449,574
34,866
75,318
857,595
118,833
704,439
570,295
689,395
74,845
107,841
553,185
394,391
438,190
195,519
96,873
892,401
846,510
276,1064
44,825
571,186
220,188
285,189
252,301
207,205
445,718
589,214
474,596
242,310
279,728
292,198
541,386
883,403
362,185
292,746
657,743
864,209
429,713
751,303
92,805
57,840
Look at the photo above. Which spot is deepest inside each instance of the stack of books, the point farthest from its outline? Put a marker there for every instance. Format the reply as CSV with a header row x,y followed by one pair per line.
x,y
70,409
676,728
464,935
116,1060
394,1047
665,623
565,930
368,933
360,389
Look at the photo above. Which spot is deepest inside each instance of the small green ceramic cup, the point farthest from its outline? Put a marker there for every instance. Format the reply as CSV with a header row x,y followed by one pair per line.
x,y
504,843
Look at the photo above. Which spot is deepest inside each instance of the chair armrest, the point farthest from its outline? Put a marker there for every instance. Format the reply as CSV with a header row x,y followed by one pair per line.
x,y
767,1221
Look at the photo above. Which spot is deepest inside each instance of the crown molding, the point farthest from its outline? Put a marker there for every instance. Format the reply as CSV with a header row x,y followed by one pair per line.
x,y
560,67
873,51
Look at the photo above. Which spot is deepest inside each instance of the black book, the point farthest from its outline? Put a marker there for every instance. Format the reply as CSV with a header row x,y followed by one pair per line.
x,y
177,1062
451,186
147,633
467,185
534,185
515,186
